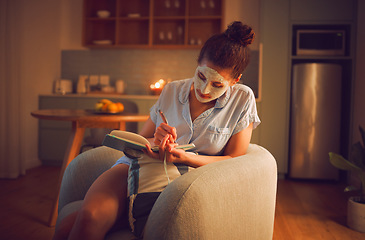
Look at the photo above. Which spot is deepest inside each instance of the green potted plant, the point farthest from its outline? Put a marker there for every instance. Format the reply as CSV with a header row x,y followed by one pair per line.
x,y
355,165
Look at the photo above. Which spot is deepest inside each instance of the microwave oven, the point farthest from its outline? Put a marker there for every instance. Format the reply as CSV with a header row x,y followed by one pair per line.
x,y
320,42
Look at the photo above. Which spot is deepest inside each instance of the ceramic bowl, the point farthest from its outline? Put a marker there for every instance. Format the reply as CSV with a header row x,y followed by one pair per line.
x,y
103,13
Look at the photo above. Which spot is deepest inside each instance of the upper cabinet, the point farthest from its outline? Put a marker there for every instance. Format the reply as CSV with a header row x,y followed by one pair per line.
x,y
150,23
323,10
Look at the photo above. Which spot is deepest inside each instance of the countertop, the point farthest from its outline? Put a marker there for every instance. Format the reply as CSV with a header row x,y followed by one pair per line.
x,y
102,95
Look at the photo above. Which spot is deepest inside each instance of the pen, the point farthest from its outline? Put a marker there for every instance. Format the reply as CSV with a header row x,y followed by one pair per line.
x,y
164,119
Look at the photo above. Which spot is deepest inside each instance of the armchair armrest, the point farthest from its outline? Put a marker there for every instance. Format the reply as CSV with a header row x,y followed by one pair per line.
x,y
83,171
230,199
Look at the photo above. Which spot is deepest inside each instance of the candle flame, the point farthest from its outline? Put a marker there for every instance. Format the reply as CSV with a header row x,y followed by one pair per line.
x,y
158,85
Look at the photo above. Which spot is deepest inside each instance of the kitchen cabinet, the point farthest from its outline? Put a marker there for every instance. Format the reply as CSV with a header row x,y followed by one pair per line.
x,y
323,10
53,135
151,23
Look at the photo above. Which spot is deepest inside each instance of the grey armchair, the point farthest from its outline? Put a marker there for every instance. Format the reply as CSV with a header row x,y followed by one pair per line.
x,y
231,199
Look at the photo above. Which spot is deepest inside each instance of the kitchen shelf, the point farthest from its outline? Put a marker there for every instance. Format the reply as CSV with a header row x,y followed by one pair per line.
x,y
169,7
151,23
205,7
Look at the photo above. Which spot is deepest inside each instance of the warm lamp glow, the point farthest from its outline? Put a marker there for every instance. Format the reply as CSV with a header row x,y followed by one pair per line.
x,y
157,87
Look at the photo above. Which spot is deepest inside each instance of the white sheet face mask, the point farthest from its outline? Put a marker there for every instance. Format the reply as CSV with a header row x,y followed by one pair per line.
x,y
210,83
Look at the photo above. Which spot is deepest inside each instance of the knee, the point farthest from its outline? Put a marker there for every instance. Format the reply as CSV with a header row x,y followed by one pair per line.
x,y
83,225
87,218
93,222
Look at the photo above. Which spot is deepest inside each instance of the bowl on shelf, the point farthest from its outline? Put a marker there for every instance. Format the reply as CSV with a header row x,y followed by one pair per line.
x,y
103,13
102,42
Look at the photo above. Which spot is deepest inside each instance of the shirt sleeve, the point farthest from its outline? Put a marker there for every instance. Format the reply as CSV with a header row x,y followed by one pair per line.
x,y
249,114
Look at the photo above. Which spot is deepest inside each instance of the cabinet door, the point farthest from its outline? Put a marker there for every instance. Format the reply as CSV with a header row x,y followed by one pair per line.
x,y
52,145
56,103
323,10
53,135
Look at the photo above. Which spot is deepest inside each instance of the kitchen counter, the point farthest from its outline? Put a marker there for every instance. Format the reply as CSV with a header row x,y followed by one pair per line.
x,y
103,95
53,135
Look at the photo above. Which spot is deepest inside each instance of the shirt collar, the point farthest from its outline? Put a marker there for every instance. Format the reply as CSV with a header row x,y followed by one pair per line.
x,y
222,100
185,91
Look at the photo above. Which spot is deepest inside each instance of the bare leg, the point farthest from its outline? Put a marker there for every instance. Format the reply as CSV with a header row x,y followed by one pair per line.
x,y
63,229
104,203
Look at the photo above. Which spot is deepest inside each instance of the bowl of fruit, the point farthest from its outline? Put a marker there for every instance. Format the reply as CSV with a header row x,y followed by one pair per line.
x,y
106,106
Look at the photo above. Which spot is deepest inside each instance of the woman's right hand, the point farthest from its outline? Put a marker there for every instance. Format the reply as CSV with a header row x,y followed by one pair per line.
x,y
161,133
166,143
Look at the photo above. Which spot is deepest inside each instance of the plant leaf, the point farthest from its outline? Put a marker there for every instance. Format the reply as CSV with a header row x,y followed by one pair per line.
x,y
351,188
340,162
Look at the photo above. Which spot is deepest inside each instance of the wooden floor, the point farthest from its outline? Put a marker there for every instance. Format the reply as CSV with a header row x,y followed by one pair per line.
x,y
305,209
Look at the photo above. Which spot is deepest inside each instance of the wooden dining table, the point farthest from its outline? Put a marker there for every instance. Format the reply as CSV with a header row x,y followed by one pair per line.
x,y
82,119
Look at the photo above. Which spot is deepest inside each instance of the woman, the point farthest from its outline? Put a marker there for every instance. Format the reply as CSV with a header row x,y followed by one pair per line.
x,y
210,110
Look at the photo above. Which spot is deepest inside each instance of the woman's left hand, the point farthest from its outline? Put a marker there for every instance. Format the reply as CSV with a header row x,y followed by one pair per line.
x,y
166,147
175,155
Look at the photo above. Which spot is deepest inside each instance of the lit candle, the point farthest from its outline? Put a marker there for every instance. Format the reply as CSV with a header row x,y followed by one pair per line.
x,y
156,88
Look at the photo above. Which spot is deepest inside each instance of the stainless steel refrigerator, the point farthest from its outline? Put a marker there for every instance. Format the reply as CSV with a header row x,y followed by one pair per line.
x,y
315,125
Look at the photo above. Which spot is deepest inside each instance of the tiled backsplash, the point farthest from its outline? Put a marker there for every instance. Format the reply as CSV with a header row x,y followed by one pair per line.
x,y
139,67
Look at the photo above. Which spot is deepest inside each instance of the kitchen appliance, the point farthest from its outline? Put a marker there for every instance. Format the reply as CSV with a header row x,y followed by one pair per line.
x,y
83,84
315,125
320,42
62,86
120,86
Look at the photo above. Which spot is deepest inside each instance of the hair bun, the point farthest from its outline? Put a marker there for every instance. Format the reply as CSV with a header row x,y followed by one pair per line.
x,y
240,33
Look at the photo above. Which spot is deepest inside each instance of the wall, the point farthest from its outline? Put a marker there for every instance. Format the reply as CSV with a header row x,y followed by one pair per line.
x,y
274,106
137,67
71,24
246,11
39,65
359,96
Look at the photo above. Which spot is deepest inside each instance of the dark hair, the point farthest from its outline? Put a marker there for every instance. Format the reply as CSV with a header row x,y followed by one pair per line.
x,y
229,49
